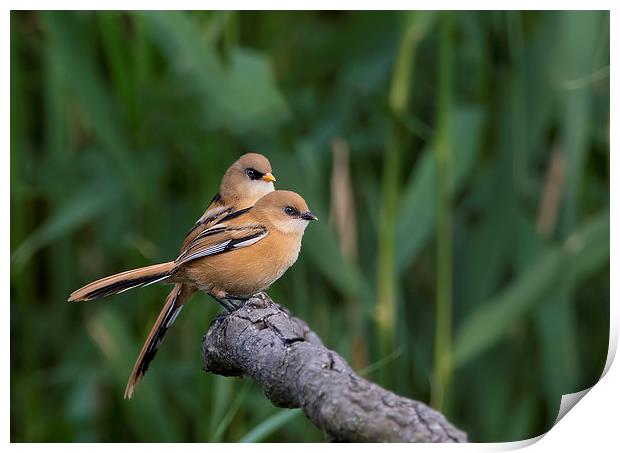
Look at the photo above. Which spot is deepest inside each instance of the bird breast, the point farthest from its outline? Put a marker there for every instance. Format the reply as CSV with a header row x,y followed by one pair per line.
x,y
248,270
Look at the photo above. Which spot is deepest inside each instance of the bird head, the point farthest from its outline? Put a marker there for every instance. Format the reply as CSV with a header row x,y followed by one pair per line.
x,y
248,179
286,211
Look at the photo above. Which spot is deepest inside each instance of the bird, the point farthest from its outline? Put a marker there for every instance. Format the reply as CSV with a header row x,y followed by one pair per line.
x,y
240,255
245,181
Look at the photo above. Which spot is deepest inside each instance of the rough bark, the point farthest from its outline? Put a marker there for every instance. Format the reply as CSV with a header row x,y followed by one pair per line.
x,y
290,363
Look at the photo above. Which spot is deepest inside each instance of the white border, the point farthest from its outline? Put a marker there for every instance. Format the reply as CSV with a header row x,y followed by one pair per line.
x,y
591,424
314,5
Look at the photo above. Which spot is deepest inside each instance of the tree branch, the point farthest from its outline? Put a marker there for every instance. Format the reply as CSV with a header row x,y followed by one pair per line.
x,y
290,363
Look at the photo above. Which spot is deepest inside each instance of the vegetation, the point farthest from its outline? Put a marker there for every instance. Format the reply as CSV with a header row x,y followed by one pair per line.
x,y
459,163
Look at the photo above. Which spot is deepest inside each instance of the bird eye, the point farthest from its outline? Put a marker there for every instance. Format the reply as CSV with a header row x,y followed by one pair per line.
x,y
289,210
254,174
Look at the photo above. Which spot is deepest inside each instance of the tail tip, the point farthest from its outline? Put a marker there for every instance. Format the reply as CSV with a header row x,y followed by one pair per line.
x,y
129,391
73,297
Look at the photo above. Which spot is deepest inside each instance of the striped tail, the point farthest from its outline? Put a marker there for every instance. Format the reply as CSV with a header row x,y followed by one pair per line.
x,y
172,307
118,283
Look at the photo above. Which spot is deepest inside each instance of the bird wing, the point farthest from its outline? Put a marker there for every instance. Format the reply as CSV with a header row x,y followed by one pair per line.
x,y
228,235
215,212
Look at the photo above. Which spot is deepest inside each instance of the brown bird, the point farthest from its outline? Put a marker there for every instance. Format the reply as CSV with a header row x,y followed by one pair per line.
x,y
245,181
240,255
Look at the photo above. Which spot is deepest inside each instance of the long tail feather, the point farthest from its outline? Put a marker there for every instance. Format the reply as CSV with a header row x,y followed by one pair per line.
x,y
118,283
172,307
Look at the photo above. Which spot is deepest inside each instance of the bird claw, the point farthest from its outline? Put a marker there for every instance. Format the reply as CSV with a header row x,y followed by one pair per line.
x,y
236,301
228,306
230,302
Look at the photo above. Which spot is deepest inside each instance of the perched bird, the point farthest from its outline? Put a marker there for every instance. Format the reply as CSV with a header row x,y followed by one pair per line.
x,y
245,181
241,254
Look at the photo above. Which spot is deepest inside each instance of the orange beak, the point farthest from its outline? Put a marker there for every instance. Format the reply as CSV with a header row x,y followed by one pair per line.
x,y
268,177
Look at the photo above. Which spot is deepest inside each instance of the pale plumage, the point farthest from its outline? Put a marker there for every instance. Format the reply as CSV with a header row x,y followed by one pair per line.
x,y
265,240
245,181
241,254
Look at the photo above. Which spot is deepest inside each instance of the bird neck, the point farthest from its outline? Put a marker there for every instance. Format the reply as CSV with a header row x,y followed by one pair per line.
x,y
293,229
247,196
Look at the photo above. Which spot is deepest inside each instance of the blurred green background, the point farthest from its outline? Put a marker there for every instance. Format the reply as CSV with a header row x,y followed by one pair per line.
x,y
459,163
